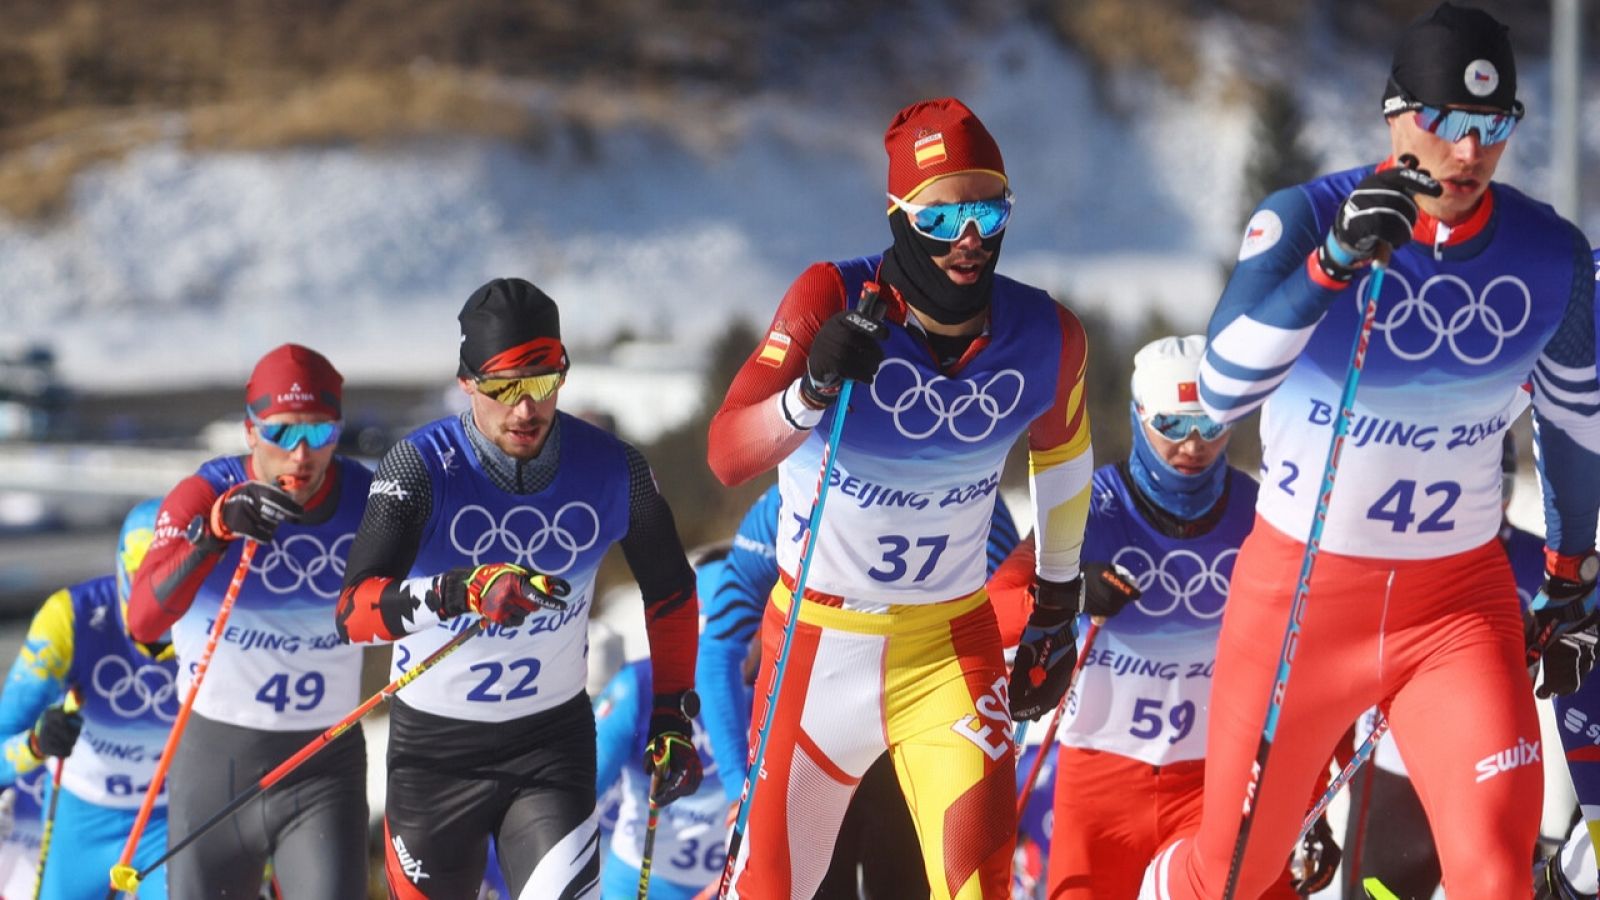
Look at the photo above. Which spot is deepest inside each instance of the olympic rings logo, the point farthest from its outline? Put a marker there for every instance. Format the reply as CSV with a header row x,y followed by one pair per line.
x,y
131,692
921,409
300,561
1183,576
1476,319
550,545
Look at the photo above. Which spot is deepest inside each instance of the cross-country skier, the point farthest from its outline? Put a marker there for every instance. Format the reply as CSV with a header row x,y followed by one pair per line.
x,y
1578,713
503,514
78,642
895,626
1130,772
1411,602
280,675
691,833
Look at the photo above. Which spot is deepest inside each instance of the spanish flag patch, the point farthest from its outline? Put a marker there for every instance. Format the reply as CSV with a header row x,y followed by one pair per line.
x,y
929,149
775,350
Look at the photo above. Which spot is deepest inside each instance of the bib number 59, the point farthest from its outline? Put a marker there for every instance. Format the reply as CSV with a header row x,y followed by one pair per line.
x,y
1149,723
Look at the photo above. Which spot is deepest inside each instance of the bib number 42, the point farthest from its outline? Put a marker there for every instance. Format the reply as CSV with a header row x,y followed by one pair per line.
x,y
1399,507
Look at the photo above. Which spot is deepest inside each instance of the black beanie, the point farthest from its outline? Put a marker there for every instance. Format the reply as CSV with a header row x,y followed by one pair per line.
x,y
509,324
1455,56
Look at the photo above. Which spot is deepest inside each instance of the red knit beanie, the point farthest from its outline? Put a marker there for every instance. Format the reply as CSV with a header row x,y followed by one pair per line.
x,y
936,138
294,379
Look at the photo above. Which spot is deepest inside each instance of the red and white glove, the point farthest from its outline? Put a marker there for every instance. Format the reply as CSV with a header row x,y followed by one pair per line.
x,y
503,593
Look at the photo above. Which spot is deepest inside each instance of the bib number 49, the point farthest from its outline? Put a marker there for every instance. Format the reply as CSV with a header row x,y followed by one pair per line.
x,y
308,692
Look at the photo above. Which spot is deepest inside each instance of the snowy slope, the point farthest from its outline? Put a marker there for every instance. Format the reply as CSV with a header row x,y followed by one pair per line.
x,y
174,267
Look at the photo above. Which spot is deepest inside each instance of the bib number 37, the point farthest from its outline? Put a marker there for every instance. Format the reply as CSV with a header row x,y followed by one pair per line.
x,y
900,553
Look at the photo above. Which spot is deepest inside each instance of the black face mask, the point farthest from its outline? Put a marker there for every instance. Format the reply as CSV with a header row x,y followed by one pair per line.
x,y
908,266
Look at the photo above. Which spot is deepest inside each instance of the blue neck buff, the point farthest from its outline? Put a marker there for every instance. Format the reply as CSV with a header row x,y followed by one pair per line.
x,y
1185,496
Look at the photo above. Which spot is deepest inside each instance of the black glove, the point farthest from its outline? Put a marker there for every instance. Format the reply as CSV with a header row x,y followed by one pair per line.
x,y
1566,601
671,748
252,509
1567,662
1106,590
55,733
1316,860
848,345
503,593
1379,210
1042,670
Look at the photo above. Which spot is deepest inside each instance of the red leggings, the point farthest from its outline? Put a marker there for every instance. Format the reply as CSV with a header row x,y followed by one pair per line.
x,y
1112,813
1440,643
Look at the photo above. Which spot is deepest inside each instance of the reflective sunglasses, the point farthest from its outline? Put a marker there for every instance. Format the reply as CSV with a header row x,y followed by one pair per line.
x,y
288,435
510,391
1454,124
946,221
1178,426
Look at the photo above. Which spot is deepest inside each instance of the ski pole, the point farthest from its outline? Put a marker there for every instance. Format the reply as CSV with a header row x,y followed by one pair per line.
x,y
649,836
126,879
1302,586
1019,737
240,572
868,307
1363,753
1359,813
1055,721
69,706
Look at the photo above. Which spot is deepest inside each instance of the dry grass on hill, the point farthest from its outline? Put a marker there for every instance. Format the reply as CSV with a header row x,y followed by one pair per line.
x,y
83,81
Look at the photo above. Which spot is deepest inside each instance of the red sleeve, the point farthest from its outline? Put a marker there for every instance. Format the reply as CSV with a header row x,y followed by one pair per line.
x,y
173,569
1008,591
748,433
672,625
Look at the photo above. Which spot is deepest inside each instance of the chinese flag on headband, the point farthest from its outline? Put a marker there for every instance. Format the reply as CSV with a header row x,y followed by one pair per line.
x,y
1188,392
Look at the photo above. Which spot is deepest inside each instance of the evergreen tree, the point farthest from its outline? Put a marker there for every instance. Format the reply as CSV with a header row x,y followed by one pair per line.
x,y
1279,158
